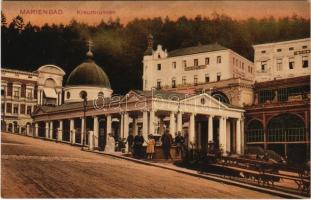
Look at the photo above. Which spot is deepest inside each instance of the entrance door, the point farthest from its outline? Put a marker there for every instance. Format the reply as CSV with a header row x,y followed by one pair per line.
x,y
102,135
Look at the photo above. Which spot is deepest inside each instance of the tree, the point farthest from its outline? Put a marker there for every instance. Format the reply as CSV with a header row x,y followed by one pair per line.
x,y
17,23
3,20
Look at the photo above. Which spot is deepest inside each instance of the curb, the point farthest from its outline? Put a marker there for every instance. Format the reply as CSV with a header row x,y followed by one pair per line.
x,y
209,177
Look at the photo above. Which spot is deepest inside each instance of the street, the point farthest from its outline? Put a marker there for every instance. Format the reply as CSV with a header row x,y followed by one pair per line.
x,y
34,168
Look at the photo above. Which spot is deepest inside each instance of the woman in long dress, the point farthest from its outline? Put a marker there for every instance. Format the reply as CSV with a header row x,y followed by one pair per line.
x,y
110,144
150,147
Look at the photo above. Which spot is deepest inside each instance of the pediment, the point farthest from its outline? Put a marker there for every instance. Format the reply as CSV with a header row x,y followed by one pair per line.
x,y
204,100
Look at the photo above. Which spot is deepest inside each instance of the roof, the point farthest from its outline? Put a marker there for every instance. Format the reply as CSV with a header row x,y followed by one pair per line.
x,y
196,49
88,73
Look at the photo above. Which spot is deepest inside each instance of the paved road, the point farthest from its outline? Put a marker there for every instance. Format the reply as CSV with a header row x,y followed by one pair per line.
x,y
34,168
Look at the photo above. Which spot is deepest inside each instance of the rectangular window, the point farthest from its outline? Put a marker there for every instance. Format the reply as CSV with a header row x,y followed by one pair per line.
x,y
291,63
218,59
218,76
196,62
279,50
10,89
159,67
263,65
28,110
305,62
263,51
35,92
206,61
23,108
206,78
279,65
242,66
304,47
291,48
15,109
195,80
173,83
16,94
29,94
158,84
9,108
23,90
2,92
184,80
174,65
233,60
184,63
2,108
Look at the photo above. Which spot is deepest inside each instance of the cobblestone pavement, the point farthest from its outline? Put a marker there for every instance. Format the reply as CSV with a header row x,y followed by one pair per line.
x,y
33,168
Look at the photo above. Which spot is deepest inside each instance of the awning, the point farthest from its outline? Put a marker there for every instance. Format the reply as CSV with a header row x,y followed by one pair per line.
x,y
50,93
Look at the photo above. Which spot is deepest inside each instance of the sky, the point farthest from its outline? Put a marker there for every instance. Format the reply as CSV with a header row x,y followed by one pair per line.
x,y
92,12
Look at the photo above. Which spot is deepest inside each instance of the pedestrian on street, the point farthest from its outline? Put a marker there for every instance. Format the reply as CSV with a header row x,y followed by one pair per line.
x,y
130,140
180,142
138,145
110,144
167,141
150,146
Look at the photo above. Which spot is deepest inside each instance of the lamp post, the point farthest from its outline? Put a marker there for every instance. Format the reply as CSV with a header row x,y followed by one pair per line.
x,y
83,95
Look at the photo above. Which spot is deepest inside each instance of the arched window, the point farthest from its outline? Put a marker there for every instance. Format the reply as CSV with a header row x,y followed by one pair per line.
x,y
286,128
221,97
255,132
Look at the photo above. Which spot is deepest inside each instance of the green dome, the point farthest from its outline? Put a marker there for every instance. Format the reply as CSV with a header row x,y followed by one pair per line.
x,y
88,73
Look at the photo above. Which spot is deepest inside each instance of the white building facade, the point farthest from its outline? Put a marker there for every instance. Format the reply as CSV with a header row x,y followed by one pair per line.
x,y
22,92
193,66
281,60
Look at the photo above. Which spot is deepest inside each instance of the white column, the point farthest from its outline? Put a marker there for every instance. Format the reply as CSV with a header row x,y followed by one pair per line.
x,y
135,127
41,97
36,129
95,130
91,140
191,136
238,136
172,124
122,126
38,97
179,122
108,125
222,134
210,128
82,131
51,129
47,130
151,122
126,128
27,129
72,131
57,99
60,131
228,133
242,136
145,125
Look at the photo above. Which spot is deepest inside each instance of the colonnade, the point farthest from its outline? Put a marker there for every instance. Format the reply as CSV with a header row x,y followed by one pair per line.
x,y
149,120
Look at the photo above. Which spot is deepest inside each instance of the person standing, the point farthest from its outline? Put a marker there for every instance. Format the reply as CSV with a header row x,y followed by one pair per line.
x,y
167,141
180,142
150,147
138,145
129,141
110,144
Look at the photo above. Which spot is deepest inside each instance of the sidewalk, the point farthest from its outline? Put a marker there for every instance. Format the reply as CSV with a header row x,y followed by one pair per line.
x,y
170,166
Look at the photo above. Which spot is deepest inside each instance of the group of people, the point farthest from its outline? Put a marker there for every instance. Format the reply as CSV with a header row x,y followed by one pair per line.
x,y
135,144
